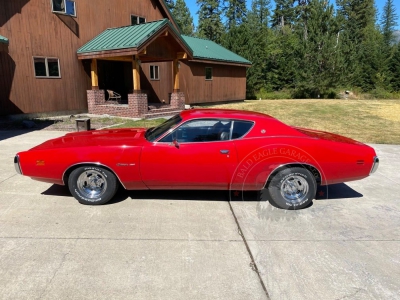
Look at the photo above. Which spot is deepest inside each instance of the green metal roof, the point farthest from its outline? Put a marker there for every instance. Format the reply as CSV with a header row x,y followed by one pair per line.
x,y
3,39
206,49
125,37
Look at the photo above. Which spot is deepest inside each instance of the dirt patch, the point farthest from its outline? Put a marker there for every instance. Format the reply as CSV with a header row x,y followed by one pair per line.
x,y
67,123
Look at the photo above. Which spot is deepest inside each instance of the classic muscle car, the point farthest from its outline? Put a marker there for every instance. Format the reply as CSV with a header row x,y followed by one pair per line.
x,y
211,149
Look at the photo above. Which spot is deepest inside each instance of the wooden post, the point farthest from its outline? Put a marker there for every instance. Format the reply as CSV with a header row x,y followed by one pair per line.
x,y
176,75
136,73
94,75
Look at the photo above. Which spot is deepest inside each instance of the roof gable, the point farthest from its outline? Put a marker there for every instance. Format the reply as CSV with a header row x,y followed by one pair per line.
x,y
208,50
130,37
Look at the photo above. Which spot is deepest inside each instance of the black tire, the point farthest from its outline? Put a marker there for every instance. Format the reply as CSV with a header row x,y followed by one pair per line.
x,y
292,188
92,185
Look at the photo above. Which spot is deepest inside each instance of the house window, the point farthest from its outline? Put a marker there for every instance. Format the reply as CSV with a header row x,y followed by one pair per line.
x,y
209,73
154,73
66,7
47,67
135,20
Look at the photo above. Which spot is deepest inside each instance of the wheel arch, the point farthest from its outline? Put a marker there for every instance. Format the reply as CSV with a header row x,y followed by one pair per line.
x,y
69,170
314,171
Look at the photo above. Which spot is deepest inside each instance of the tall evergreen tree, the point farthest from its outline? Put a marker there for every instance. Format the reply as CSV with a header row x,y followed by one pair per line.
x,y
395,69
357,19
170,4
210,24
260,12
389,22
183,17
235,12
319,61
283,13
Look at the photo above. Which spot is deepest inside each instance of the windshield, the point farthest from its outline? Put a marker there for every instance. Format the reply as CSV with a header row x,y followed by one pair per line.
x,y
154,133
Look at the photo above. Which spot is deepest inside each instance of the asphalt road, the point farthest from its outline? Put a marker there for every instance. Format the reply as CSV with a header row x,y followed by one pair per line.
x,y
197,245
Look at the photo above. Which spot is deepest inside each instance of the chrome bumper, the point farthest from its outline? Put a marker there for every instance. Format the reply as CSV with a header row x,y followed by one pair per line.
x,y
375,165
17,165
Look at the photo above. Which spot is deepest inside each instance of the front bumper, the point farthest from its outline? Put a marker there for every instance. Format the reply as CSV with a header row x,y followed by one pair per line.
x,y
17,165
375,165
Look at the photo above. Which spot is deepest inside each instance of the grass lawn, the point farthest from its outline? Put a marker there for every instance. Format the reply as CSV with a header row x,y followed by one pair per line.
x,y
368,121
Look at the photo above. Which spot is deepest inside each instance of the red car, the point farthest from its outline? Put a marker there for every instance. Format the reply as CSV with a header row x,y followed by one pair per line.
x,y
210,149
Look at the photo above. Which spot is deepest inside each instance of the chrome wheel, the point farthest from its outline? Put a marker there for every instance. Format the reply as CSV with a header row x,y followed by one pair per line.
x,y
294,189
91,184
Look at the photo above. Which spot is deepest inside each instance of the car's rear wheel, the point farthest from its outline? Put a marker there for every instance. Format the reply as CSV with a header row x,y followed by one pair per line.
x,y
292,188
92,185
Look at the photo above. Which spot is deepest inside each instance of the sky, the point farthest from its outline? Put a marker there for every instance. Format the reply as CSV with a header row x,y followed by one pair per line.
x,y
379,4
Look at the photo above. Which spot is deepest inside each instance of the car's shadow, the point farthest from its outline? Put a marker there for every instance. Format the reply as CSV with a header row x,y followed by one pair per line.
x,y
330,192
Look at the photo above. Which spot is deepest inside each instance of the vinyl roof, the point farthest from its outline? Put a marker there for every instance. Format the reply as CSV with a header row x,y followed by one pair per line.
x,y
208,50
3,39
125,37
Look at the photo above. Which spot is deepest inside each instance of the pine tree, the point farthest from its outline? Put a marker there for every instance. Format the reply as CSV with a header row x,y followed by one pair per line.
x,y
283,13
389,22
260,12
183,17
210,25
319,64
235,12
395,69
357,19
170,5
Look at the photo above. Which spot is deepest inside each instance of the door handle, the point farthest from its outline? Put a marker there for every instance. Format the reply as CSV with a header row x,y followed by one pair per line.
x,y
224,151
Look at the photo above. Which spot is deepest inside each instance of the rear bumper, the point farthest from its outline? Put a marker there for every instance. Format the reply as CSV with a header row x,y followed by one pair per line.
x,y
375,165
17,165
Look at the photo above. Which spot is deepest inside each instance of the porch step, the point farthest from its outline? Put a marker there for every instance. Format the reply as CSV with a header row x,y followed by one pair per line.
x,y
159,113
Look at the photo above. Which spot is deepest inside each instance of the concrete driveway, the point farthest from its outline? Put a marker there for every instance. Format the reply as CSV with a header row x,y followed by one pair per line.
x,y
197,245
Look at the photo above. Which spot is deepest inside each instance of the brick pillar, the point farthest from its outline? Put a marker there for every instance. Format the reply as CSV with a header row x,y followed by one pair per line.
x,y
138,105
94,98
178,100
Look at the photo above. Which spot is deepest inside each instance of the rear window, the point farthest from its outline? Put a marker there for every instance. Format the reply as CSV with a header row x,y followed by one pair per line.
x,y
240,128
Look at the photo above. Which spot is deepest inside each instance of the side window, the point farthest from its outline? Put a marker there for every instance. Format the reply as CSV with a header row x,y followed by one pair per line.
x,y
203,130
46,67
154,72
135,20
240,128
209,73
66,7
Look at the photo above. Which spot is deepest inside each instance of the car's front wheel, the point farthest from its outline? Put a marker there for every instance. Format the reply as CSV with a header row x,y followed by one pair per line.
x,y
292,188
92,185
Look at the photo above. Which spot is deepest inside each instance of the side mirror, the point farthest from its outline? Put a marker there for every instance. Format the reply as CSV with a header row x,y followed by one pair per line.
x,y
175,143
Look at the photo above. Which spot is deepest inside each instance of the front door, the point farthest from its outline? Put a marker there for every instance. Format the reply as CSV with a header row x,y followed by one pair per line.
x,y
197,155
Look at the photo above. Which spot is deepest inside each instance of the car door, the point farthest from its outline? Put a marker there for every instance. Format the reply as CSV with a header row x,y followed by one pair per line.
x,y
197,155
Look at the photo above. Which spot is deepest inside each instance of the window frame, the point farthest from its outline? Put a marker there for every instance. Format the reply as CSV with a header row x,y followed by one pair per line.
x,y
137,19
158,72
177,128
65,8
47,67
205,75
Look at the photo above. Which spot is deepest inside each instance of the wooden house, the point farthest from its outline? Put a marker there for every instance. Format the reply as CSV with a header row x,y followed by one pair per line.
x,y
57,55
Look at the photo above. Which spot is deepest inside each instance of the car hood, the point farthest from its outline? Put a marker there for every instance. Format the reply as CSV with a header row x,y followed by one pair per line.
x,y
111,137
327,136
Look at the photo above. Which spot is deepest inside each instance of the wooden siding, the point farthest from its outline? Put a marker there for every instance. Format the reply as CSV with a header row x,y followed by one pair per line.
x,y
157,90
33,30
228,82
